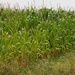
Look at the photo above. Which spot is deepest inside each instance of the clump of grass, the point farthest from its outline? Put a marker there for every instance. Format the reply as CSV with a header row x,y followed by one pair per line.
x,y
64,65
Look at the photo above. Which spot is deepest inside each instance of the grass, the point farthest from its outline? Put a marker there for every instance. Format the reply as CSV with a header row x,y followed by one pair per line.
x,y
64,65
40,42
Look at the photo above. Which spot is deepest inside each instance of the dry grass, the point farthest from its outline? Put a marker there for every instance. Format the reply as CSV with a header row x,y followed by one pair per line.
x,y
62,65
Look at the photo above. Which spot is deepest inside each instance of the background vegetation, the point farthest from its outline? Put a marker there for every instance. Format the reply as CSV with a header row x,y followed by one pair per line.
x,y
30,35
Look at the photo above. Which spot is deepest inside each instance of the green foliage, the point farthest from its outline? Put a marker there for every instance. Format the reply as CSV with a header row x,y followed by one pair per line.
x,y
35,33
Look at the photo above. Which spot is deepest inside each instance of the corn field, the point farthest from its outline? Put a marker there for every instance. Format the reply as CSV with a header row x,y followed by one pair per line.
x,y
33,34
